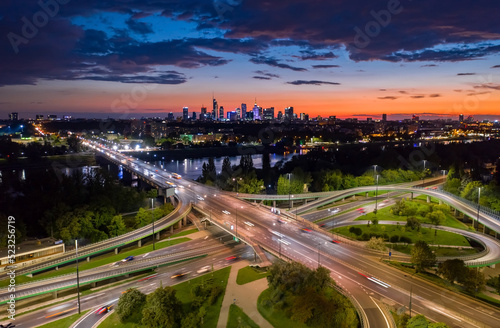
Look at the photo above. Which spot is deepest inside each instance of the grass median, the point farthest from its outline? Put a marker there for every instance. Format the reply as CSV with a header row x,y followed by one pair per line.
x,y
64,322
249,274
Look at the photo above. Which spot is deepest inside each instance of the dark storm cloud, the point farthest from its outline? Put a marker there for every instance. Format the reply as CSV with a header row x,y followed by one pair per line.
x,y
312,82
261,77
139,27
418,97
275,63
441,31
388,98
326,66
170,77
465,74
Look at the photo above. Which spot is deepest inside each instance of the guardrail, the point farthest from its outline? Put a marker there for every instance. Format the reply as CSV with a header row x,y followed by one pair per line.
x,y
108,243
359,309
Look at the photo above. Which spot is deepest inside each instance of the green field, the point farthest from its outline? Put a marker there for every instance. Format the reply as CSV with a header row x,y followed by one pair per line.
x,y
425,234
385,214
439,251
184,233
114,321
98,261
64,322
237,318
249,274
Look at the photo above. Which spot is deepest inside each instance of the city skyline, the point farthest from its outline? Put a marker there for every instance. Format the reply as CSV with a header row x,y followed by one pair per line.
x,y
348,60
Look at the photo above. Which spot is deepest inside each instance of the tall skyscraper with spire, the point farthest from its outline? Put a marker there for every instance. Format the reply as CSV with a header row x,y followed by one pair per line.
x,y
257,111
215,108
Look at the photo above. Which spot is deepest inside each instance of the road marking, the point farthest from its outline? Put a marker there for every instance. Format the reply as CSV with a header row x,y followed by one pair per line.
x,y
385,318
145,255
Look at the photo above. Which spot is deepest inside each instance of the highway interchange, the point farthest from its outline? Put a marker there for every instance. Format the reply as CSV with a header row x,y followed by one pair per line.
x,y
351,266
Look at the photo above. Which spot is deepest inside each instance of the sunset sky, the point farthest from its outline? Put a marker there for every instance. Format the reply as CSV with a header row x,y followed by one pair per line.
x,y
133,58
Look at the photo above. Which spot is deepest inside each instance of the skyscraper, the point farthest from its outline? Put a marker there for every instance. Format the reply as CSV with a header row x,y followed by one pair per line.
x,y
194,116
257,111
238,112
384,117
289,113
214,109
461,118
170,117
268,114
221,113
243,111
203,113
185,113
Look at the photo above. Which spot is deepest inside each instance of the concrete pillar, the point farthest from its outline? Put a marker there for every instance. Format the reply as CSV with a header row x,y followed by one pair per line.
x,y
172,228
428,199
496,235
93,285
184,221
56,268
139,243
116,250
180,224
305,201
88,258
366,194
164,199
411,196
157,236
485,229
354,197
54,294
274,203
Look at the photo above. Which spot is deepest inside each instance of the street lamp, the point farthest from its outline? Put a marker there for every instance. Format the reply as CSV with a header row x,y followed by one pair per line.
x,y
423,177
376,194
375,169
77,277
319,246
279,241
153,219
478,206
289,190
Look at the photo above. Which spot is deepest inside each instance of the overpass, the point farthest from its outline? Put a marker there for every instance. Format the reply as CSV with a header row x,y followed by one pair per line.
x,y
344,261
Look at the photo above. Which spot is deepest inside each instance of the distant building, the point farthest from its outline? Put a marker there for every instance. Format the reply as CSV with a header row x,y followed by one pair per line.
x,y
256,112
280,115
243,111
232,116
14,116
203,113
384,117
415,118
238,113
369,119
221,113
461,118
39,117
194,116
268,114
52,117
170,117
215,109
289,113
185,113
249,116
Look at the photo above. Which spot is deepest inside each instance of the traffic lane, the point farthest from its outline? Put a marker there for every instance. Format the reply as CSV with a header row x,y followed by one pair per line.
x,y
109,295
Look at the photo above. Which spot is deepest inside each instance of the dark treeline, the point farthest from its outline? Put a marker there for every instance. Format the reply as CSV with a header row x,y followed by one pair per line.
x,y
36,150
48,203
352,166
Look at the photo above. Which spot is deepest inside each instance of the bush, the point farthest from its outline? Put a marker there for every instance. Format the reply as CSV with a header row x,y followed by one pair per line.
x,y
355,231
406,240
365,237
394,239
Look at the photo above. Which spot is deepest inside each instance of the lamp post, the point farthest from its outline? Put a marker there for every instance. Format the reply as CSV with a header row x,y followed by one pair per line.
x,y
375,169
77,277
376,194
478,206
289,190
423,177
153,219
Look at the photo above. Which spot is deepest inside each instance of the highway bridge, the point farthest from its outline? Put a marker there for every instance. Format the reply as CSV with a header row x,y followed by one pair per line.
x,y
351,266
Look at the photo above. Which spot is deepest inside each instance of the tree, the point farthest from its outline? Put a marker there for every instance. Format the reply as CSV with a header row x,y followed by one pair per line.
x,y
422,256
376,243
452,270
246,164
130,305
356,231
474,281
73,143
162,309
436,217
413,223
117,226
438,325
212,171
418,321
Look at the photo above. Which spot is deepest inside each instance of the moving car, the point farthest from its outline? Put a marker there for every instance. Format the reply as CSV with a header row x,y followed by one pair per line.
x,y
306,230
179,275
206,268
128,258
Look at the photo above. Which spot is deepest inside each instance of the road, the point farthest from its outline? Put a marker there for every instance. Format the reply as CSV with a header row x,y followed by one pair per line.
x,y
351,266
